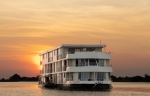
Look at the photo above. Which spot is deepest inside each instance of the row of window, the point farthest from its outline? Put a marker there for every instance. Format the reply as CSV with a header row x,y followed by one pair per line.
x,y
90,76
81,49
57,51
87,76
89,62
50,54
82,76
78,62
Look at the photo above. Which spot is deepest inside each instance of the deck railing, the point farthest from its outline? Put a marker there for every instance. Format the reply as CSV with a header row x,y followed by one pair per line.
x,y
86,79
69,79
63,55
81,65
91,79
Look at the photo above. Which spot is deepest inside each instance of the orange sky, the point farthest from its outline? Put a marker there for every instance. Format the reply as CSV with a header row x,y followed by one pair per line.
x,y
28,27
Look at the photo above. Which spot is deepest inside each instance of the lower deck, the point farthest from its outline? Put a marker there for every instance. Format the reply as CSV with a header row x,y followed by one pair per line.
x,y
77,78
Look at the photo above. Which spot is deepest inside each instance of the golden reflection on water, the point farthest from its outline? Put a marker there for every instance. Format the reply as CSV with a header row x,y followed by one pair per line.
x,y
19,89
32,86
32,89
19,85
131,87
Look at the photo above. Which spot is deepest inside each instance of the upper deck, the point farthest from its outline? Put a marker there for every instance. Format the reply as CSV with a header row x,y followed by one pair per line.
x,y
77,48
73,51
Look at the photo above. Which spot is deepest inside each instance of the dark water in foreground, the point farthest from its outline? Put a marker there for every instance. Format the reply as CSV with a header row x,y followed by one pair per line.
x,y
32,89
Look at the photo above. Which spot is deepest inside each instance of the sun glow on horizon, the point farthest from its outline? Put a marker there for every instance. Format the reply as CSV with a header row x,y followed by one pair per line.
x,y
36,60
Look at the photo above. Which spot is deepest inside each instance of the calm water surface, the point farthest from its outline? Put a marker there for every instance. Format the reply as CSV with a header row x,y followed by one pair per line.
x,y
32,89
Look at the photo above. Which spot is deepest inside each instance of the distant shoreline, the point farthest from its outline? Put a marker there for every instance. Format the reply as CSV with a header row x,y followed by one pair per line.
x,y
17,78
18,81
146,78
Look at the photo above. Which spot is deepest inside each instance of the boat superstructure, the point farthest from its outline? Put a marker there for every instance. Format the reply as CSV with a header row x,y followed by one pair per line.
x,y
76,67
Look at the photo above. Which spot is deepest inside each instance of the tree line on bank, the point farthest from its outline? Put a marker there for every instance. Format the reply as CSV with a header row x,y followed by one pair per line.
x,y
17,77
146,78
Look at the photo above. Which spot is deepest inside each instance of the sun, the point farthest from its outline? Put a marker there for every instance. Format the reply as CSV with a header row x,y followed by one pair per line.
x,y
36,60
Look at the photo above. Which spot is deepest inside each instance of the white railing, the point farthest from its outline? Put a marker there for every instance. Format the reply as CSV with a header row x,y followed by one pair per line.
x,y
89,65
91,79
100,79
87,79
63,55
86,51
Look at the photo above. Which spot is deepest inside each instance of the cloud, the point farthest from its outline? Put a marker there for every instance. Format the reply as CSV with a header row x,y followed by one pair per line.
x,y
28,27
47,17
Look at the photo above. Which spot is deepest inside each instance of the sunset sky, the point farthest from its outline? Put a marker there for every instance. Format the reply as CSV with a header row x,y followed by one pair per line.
x,y
28,27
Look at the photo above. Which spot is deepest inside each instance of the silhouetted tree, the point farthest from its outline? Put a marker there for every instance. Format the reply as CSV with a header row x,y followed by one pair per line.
x,y
37,77
137,79
147,78
3,79
120,79
15,77
113,78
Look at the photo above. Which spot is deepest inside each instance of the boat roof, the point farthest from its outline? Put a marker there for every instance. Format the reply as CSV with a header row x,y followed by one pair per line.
x,y
83,45
77,46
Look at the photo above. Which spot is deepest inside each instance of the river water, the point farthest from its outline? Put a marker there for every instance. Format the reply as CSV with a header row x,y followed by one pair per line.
x,y
32,89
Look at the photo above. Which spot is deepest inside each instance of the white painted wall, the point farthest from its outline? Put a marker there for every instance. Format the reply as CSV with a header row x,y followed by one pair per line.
x,y
107,76
92,75
75,78
64,80
90,55
45,61
89,69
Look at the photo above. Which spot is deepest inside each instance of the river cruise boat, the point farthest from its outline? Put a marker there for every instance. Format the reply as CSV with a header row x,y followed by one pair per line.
x,y
76,67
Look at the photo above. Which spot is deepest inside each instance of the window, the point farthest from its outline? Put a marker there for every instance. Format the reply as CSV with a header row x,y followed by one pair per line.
x,y
54,52
107,62
86,62
71,50
84,76
100,76
92,62
64,75
101,62
81,62
76,62
77,49
57,54
57,51
90,49
48,54
43,56
84,49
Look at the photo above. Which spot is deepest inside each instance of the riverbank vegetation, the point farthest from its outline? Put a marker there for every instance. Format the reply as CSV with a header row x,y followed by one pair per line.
x,y
146,78
16,78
